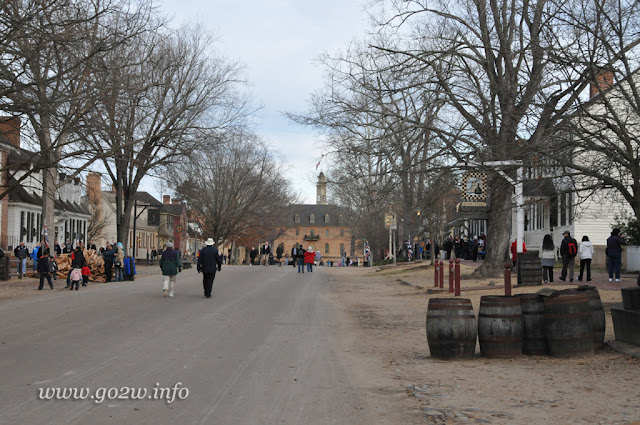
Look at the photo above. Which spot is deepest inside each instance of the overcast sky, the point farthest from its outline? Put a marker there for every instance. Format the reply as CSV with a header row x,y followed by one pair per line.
x,y
278,42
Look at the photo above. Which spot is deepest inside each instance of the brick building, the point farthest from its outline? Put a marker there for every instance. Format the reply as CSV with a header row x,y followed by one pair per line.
x,y
322,226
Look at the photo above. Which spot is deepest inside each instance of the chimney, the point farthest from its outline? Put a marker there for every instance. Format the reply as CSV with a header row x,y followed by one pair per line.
x,y
10,129
166,199
603,82
175,202
94,183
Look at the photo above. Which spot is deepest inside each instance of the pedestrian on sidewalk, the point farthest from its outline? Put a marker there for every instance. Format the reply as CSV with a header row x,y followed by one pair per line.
x,y
21,252
614,253
118,262
208,262
108,255
170,266
43,270
568,252
35,256
77,263
585,254
548,258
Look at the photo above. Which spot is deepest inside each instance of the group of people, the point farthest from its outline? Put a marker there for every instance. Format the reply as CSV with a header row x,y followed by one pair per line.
x,y
303,256
584,251
45,264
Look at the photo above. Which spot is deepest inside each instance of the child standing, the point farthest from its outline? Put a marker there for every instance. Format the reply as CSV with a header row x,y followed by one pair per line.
x,y
86,272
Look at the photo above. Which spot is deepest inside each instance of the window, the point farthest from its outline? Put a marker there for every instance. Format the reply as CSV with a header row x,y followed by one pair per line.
x,y
326,248
312,218
312,232
326,218
326,232
563,209
341,232
342,249
340,219
297,232
297,218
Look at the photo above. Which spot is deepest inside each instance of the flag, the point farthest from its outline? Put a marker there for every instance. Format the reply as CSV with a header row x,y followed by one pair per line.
x,y
367,251
45,237
318,164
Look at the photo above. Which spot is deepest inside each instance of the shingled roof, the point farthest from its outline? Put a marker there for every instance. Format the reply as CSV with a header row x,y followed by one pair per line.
x,y
319,211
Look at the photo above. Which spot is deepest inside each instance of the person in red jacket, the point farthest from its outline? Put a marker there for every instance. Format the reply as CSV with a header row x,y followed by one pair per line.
x,y
514,252
309,257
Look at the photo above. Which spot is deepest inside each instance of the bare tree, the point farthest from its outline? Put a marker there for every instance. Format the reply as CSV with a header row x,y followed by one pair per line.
x,y
599,145
236,187
168,96
49,50
502,67
379,122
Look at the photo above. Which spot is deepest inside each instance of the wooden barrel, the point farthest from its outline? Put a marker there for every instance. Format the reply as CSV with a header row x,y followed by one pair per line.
x,y
533,342
530,272
451,328
567,325
500,326
598,324
631,297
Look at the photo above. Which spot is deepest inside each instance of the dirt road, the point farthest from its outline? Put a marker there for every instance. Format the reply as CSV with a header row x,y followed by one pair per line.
x,y
386,348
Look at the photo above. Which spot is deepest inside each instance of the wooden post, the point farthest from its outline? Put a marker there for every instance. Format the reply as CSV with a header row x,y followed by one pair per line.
x,y
441,274
435,278
451,272
457,278
507,279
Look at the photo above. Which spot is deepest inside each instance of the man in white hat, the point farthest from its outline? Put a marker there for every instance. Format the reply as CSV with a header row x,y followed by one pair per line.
x,y
209,261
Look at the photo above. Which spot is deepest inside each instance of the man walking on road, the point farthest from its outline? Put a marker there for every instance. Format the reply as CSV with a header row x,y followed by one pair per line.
x,y
208,262
264,254
170,265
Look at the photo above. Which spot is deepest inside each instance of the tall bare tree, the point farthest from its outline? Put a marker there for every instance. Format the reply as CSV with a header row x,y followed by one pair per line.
x,y
236,187
49,50
379,120
502,67
168,96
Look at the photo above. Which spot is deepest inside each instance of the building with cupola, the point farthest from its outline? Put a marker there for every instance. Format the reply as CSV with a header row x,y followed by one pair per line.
x,y
322,226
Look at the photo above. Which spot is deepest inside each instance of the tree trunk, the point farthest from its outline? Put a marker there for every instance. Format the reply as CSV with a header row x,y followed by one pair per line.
x,y
48,202
498,226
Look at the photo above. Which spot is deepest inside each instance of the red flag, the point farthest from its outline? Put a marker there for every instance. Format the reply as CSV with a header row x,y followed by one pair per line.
x,y
317,165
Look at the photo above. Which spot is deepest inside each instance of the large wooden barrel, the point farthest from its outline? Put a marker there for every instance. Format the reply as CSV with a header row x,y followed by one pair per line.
x,y
598,324
533,342
631,297
451,328
500,326
567,325
530,272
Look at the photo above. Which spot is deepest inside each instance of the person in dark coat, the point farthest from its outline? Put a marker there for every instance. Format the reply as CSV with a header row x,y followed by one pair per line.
x,y
171,266
208,262
614,253
107,256
568,252
43,270
77,262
